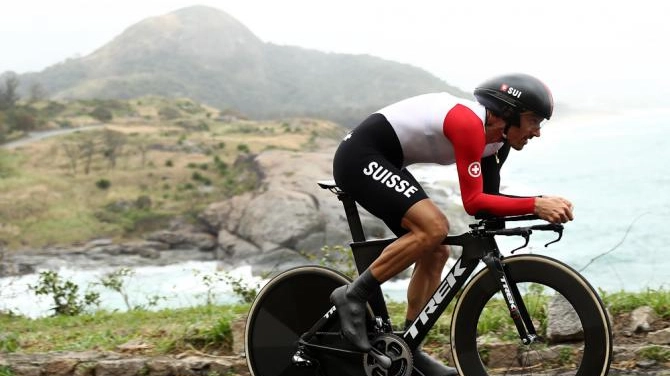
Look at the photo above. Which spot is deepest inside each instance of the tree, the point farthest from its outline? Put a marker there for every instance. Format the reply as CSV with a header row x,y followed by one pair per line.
x,y
36,93
143,148
112,144
4,127
8,94
101,114
22,118
87,150
72,155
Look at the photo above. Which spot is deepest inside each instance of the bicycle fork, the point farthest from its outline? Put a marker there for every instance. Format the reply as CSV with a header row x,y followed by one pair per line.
x,y
513,300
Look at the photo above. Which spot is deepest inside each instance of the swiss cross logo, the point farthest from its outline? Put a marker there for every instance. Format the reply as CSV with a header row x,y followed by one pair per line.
x,y
504,87
475,169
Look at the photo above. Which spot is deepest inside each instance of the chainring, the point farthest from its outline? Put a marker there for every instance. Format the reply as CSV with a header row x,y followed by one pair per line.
x,y
395,348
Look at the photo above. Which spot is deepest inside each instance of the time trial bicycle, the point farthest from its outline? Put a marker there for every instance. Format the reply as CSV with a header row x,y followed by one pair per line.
x,y
293,329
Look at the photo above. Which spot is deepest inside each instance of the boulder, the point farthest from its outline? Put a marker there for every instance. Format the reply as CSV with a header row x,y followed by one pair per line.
x,y
181,239
290,218
660,337
563,323
281,216
641,319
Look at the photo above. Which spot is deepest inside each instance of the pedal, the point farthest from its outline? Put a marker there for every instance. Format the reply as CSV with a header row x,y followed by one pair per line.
x,y
300,359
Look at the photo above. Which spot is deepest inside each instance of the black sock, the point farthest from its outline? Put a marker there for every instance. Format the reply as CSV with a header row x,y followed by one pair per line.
x,y
363,286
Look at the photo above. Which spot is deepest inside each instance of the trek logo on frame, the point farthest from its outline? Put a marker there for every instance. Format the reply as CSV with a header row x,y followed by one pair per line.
x,y
437,298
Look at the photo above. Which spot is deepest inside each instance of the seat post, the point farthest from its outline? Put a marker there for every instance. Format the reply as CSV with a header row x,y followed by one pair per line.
x,y
353,218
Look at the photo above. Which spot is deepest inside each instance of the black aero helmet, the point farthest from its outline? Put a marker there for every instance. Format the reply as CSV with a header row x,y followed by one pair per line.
x,y
510,94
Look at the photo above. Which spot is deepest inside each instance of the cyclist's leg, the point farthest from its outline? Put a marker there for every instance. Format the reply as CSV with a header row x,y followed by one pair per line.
x,y
427,226
368,166
425,278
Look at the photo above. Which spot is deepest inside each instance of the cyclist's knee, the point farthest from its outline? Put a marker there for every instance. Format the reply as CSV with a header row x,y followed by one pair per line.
x,y
432,232
427,223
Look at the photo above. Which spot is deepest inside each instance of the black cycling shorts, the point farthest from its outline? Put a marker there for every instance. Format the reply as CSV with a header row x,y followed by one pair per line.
x,y
368,166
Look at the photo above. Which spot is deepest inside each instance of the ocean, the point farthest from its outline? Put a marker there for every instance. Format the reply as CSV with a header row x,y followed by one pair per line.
x,y
616,172
614,168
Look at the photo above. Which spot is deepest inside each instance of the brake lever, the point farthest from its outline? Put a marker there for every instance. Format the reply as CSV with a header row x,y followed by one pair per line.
x,y
559,231
526,236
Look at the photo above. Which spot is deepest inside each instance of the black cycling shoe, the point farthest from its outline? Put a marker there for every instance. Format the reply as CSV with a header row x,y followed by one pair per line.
x,y
352,317
425,365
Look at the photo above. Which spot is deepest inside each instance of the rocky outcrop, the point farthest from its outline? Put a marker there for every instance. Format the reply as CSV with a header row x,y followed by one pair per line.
x,y
290,219
101,252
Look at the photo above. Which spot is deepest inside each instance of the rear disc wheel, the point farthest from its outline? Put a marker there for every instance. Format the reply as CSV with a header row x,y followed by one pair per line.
x,y
287,306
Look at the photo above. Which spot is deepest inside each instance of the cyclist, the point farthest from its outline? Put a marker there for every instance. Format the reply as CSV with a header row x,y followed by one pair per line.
x,y
370,165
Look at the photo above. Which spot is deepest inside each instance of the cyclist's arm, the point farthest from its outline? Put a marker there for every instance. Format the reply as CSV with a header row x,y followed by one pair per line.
x,y
464,130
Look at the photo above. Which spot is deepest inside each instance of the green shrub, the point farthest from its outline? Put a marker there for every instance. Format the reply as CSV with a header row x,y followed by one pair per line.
x,y
22,119
143,202
116,281
245,291
53,109
8,343
101,114
168,113
221,333
657,353
221,166
65,294
201,178
103,184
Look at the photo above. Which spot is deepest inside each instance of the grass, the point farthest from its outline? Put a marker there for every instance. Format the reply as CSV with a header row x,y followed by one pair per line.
x,y
205,328
657,353
658,299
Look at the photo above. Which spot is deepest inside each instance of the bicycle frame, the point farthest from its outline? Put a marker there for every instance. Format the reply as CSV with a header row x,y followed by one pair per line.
x,y
367,251
478,244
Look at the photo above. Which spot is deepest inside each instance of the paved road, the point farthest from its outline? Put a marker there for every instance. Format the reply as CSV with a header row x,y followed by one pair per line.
x,y
40,135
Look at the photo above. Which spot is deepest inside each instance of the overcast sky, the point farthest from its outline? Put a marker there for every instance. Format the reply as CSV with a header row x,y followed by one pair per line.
x,y
588,52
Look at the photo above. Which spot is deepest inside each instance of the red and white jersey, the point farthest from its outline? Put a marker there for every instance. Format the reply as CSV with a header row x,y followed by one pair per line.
x,y
441,128
421,126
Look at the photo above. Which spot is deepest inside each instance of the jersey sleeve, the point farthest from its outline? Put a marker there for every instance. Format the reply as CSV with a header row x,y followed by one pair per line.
x,y
465,131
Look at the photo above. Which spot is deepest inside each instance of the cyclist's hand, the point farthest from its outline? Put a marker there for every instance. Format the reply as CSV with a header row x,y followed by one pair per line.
x,y
554,209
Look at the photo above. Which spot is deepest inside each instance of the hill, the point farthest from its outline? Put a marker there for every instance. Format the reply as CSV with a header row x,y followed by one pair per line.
x,y
153,160
204,54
